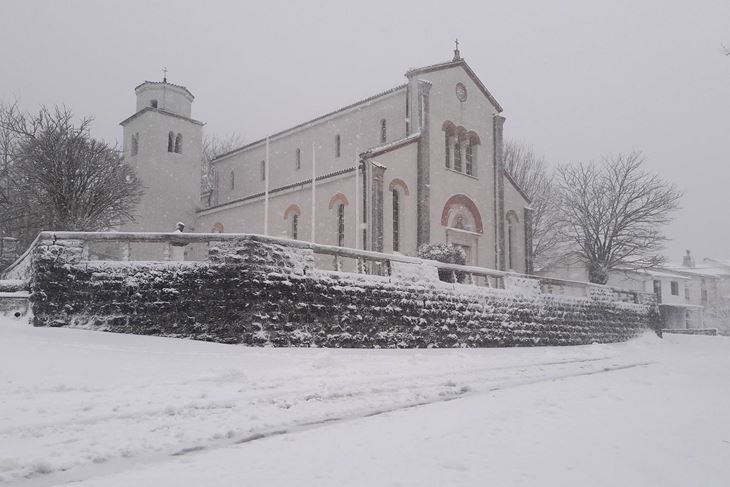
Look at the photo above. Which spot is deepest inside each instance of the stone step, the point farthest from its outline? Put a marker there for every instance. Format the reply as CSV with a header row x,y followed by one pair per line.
x,y
14,299
12,285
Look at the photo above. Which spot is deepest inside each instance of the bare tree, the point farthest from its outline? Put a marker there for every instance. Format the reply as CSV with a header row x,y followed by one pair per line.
x,y
725,50
57,177
532,174
613,213
214,146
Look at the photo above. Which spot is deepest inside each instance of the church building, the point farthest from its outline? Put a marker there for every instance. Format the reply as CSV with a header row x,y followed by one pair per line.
x,y
419,163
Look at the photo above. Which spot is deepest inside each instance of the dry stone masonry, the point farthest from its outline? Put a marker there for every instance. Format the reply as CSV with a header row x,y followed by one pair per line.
x,y
259,291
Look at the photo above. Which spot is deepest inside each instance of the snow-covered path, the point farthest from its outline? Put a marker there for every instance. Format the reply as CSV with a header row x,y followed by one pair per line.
x,y
110,409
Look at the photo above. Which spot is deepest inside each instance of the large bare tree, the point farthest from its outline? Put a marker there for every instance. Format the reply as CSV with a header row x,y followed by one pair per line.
x,y
533,175
57,177
613,213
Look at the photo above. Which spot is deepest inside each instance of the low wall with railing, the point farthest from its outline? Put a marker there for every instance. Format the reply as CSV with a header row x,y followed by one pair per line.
x,y
265,291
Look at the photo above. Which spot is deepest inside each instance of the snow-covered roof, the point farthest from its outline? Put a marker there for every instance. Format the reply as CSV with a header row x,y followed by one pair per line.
x,y
382,149
319,119
655,273
164,83
701,270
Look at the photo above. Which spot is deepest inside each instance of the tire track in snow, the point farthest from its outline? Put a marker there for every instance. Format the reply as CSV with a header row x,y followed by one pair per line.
x,y
481,385
275,385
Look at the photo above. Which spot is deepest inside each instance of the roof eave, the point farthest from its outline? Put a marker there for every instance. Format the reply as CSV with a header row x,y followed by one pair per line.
x,y
159,110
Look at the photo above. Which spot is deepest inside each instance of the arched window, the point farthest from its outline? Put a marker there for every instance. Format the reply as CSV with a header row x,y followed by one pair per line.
x,y
299,159
135,144
295,226
263,170
233,180
383,131
396,220
399,191
338,202
292,214
153,103
178,143
338,145
170,142
512,222
341,224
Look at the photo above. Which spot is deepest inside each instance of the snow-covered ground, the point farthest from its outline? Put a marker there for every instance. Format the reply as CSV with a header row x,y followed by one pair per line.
x,y
120,410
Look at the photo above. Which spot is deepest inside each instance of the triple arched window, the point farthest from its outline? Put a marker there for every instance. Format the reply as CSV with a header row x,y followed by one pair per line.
x,y
460,148
174,142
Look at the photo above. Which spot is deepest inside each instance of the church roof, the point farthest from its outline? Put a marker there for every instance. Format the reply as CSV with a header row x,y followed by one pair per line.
x,y
164,83
451,64
314,120
160,110
390,146
516,186
244,199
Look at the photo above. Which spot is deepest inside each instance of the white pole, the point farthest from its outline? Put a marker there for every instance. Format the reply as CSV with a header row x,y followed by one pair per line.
x,y
357,211
314,190
369,212
266,189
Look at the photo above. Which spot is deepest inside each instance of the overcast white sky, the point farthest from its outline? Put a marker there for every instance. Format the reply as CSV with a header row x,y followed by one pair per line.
x,y
577,79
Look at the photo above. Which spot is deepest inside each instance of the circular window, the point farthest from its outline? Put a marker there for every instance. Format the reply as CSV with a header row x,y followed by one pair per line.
x,y
460,92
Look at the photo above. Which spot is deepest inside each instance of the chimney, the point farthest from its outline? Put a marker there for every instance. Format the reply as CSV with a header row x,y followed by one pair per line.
x,y
688,260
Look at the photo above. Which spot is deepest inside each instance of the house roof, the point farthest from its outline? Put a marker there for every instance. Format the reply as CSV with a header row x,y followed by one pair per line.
x,y
451,64
313,121
701,270
718,263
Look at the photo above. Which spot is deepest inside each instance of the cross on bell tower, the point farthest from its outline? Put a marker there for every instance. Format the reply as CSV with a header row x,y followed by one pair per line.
x,y
457,54
164,75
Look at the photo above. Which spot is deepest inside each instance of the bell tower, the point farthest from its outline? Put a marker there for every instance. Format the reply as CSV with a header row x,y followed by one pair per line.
x,y
164,145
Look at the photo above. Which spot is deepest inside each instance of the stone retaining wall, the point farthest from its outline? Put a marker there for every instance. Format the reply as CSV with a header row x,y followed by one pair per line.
x,y
259,292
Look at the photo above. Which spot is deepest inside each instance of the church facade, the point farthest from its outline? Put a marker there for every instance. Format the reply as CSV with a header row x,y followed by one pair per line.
x,y
419,163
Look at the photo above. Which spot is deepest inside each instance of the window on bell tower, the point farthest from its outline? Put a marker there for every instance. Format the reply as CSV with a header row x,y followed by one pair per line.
x,y
135,144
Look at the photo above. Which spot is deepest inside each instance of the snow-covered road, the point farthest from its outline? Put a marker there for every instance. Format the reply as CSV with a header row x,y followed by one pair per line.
x,y
107,409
